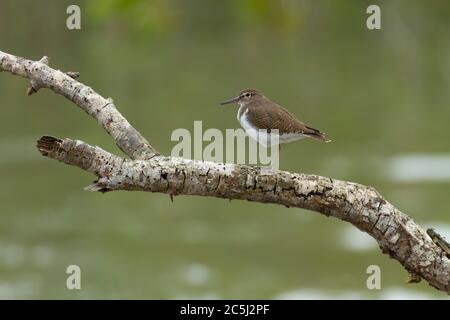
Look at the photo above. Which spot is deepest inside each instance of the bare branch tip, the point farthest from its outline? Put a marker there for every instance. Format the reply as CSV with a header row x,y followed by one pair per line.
x,y
96,187
48,144
34,87
31,90
44,60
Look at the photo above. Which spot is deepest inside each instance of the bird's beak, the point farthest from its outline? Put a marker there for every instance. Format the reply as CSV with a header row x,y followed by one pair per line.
x,y
232,100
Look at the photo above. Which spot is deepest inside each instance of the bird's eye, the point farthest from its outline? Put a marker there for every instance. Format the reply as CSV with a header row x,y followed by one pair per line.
x,y
247,95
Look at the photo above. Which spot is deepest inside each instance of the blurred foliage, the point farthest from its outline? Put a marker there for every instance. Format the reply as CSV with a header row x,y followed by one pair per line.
x,y
156,16
160,16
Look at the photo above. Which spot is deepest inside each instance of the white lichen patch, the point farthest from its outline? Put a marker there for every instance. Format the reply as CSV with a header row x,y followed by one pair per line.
x,y
351,197
85,92
174,161
225,169
79,143
249,181
305,187
394,238
412,229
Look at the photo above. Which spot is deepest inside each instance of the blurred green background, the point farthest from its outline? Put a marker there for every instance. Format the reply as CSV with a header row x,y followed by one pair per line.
x,y
382,96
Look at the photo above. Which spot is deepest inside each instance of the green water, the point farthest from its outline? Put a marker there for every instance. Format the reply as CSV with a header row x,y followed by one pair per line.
x,y
378,94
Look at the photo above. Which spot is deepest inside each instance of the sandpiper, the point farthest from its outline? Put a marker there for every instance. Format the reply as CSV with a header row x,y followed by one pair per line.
x,y
261,117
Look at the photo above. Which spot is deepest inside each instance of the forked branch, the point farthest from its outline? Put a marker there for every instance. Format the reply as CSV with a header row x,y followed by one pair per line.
x,y
128,139
396,233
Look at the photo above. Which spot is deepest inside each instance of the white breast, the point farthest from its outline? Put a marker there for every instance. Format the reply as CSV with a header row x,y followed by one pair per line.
x,y
247,126
264,138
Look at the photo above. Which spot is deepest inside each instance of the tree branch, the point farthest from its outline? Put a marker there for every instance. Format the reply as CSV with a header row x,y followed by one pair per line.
x,y
127,138
396,233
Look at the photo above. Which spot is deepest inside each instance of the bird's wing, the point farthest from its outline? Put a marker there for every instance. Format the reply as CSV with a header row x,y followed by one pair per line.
x,y
282,120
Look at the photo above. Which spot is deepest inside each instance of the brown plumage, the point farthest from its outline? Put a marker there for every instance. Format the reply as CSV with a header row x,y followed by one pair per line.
x,y
262,113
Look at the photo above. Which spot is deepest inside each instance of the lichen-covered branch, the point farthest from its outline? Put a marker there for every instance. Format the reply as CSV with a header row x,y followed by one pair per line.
x,y
396,233
127,138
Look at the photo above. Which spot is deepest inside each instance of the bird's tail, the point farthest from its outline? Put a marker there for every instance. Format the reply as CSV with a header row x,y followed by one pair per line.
x,y
316,134
319,136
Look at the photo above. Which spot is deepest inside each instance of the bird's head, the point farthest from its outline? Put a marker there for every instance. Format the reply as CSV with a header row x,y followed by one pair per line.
x,y
244,97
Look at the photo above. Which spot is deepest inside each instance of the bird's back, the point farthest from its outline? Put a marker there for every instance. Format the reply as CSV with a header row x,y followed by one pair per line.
x,y
269,115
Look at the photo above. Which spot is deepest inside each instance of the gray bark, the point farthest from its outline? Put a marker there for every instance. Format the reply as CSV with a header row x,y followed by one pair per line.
x,y
128,139
396,233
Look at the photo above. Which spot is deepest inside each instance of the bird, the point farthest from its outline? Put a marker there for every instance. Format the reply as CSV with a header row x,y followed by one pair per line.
x,y
260,118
